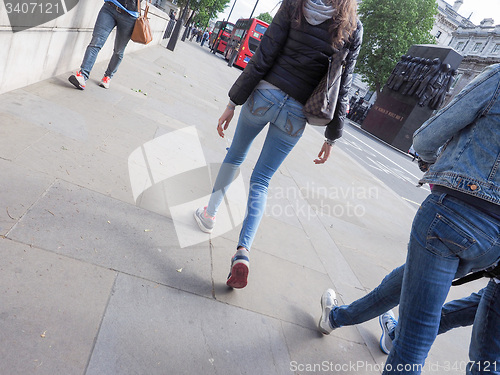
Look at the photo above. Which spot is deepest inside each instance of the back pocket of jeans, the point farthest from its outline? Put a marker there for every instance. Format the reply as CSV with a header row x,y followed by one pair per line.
x,y
295,125
445,238
258,104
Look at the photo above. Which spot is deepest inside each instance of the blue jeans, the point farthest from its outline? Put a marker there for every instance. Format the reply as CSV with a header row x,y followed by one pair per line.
x,y
107,19
449,239
286,125
454,314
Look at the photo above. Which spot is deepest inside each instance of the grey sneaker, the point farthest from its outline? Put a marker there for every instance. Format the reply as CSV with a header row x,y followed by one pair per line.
x,y
205,222
328,301
78,80
388,324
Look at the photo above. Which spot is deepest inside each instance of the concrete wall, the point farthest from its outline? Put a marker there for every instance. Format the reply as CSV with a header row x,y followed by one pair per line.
x,y
58,46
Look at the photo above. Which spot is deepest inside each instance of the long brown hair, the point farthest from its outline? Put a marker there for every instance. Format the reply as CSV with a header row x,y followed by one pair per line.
x,y
344,20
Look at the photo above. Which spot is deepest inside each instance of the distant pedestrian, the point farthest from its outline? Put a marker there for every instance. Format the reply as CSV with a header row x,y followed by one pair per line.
x,y
204,38
119,13
273,89
194,33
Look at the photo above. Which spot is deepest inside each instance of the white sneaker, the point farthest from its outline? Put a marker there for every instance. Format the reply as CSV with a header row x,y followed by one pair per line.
x,y
328,301
388,324
105,82
78,80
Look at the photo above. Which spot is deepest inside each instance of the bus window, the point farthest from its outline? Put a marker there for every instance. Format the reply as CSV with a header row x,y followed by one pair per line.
x,y
220,35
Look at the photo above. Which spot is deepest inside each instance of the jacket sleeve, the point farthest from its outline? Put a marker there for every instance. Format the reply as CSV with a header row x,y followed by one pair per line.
x,y
334,128
269,48
471,103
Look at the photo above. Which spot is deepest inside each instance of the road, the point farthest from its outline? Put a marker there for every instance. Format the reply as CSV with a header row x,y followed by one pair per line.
x,y
392,167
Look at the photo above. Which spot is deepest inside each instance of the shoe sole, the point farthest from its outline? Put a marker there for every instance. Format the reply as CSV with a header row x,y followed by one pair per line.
x,y
321,319
75,83
239,276
200,224
103,85
384,349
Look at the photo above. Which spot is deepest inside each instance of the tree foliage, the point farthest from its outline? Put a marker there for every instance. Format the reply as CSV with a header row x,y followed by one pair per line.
x,y
205,10
391,27
266,17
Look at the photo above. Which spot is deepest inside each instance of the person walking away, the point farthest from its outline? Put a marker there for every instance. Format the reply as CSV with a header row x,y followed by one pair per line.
x,y
114,13
273,88
456,230
204,38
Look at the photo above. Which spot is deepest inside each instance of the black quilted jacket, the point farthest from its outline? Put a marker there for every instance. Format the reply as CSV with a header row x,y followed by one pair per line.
x,y
294,58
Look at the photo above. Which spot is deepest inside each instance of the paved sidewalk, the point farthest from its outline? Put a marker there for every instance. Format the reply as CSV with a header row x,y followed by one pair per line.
x,y
103,270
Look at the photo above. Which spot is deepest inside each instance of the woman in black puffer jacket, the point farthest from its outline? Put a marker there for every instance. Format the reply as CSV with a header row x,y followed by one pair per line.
x,y
291,60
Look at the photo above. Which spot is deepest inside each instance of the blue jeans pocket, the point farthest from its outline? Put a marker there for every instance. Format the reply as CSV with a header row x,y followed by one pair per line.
x,y
446,238
258,104
295,125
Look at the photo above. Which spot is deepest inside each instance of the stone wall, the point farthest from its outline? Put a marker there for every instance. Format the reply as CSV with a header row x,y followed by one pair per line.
x,y
58,46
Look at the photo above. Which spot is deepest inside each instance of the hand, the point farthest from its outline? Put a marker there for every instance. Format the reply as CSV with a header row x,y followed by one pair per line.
x,y
324,153
224,121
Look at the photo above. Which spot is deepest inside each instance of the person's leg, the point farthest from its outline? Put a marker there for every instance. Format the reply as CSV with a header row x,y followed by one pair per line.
x,y
459,312
124,27
484,351
254,116
283,134
448,239
103,25
286,128
381,299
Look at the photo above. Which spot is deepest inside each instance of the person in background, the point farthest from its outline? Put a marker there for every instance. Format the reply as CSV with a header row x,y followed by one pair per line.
x,y
273,89
114,13
456,231
204,38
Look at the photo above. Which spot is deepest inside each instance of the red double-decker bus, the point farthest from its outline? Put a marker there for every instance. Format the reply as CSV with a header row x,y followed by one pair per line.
x,y
244,41
220,35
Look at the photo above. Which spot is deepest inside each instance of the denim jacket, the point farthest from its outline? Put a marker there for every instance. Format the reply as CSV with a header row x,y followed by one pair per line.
x,y
469,129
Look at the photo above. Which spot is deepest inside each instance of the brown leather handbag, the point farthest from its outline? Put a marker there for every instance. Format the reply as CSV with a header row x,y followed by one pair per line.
x,y
320,107
142,30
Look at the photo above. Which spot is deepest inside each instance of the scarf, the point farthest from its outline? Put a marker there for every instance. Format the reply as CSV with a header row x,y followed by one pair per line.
x,y
318,11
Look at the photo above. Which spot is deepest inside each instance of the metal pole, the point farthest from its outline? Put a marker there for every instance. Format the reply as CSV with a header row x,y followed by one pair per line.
x,y
255,6
175,34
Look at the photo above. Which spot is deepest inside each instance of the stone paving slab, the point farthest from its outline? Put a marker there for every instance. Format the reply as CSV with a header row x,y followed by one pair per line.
x,y
167,331
89,226
18,192
51,308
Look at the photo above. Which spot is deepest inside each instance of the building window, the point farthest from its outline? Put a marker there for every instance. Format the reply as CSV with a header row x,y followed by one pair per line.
x,y
460,46
496,49
438,34
477,47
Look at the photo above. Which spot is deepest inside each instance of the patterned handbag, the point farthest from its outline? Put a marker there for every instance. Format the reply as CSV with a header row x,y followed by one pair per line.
x,y
320,107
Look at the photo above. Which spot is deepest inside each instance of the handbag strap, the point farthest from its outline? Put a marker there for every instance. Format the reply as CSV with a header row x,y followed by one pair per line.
x,y
139,7
328,73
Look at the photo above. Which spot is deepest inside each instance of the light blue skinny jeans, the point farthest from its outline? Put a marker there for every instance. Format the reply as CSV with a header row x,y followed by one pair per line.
x,y
449,239
107,19
286,125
